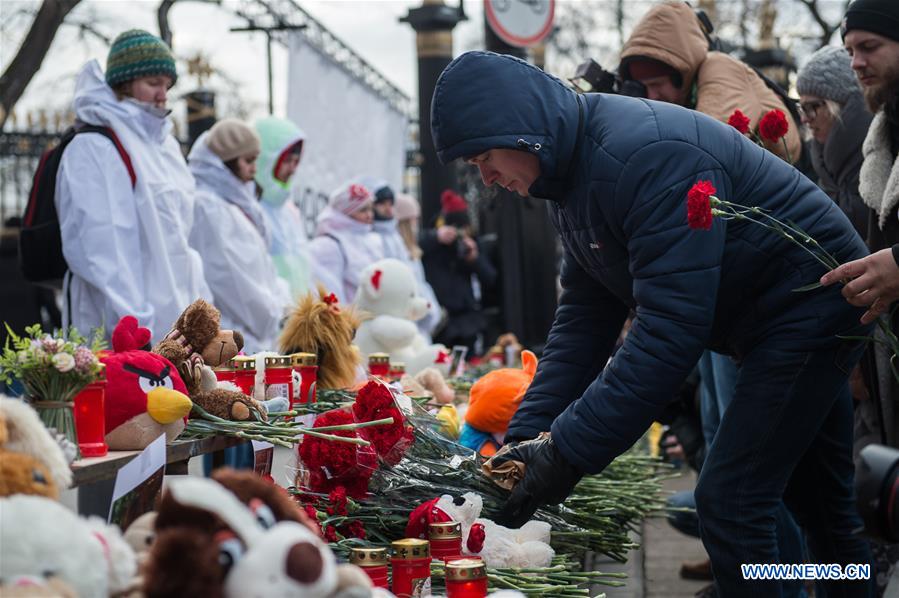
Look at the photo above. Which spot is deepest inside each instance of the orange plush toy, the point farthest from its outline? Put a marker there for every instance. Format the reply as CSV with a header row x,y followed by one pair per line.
x,y
494,400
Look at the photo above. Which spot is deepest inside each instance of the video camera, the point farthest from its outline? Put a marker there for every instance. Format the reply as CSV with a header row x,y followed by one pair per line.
x,y
877,489
590,77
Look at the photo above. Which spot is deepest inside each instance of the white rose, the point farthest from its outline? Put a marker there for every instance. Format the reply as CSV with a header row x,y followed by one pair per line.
x,y
63,362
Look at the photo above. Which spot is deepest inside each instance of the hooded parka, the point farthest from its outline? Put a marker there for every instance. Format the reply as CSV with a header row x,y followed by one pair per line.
x,y
230,233
127,249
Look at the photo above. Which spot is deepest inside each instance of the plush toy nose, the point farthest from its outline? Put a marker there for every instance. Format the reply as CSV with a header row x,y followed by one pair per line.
x,y
304,563
166,405
238,340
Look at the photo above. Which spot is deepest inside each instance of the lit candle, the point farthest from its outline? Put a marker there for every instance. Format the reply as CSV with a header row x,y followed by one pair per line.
x,y
411,566
279,378
244,373
306,365
373,561
379,364
90,417
446,539
466,578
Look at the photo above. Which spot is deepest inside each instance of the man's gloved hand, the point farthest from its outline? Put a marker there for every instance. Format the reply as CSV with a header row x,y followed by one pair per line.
x,y
548,479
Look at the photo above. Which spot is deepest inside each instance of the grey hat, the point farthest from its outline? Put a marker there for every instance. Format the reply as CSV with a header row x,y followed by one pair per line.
x,y
828,74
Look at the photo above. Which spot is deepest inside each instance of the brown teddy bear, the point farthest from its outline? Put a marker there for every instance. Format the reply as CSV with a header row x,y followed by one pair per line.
x,y
31,462
197,340
318,325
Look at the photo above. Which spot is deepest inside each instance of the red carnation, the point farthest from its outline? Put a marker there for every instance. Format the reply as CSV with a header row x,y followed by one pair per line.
x,y
331,534
773,126
338,501
354,529
332,464
476,537
699,206
739,121
375,401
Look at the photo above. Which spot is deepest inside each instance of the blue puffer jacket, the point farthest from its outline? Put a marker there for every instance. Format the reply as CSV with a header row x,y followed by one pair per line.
x,y
616,172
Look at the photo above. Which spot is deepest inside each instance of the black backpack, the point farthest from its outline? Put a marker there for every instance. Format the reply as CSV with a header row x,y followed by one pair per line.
x,y
40,242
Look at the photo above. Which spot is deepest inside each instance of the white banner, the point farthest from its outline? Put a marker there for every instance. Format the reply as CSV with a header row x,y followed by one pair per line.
x,y
350,130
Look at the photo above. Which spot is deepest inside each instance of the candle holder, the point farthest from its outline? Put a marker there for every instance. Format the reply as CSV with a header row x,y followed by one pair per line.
x,y
225,373
397,371
373,561
446,539
90,417
379,364
411,566
244,373
466,578
279,378
306,366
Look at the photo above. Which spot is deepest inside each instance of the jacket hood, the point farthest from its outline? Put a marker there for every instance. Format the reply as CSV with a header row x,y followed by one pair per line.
x,y
669,33
485,101
844,142
211,174
96,103
277,135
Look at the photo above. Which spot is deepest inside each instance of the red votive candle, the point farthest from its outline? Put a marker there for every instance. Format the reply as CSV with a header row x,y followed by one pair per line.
x,y
397,371
244,373
225,373
466,578
306,365
278,378
373,561
379,364
446,539
411,566
90,417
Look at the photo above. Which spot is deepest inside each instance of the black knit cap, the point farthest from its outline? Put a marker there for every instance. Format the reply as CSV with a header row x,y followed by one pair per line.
x,y
877,16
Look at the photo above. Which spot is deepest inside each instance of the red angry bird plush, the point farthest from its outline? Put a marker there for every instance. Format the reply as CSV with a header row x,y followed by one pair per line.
x,y
145,396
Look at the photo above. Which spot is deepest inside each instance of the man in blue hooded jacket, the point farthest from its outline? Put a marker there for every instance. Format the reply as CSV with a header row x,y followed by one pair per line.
x,y
616,172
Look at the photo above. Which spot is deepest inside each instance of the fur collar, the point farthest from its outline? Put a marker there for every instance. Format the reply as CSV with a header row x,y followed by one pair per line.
x,y
879,175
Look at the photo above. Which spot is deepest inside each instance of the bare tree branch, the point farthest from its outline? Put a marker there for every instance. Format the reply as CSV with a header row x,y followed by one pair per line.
x,y
162,18
826,28
88,27
31,54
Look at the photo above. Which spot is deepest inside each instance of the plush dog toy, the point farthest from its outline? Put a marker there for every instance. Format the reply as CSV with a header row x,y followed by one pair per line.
x,y
145,395
387,292
195,344
45,544
209,543
31,462
319,325
494,399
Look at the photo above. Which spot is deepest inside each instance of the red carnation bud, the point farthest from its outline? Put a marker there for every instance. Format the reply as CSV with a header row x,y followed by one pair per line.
x,y
739,121
773,126
699,205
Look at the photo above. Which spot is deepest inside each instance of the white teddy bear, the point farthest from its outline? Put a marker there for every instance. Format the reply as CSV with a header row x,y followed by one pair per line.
x,y
527,546
387,292
43,543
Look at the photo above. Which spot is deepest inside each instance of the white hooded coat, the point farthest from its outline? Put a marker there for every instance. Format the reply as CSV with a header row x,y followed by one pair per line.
x,y
342,247
127,250
229,232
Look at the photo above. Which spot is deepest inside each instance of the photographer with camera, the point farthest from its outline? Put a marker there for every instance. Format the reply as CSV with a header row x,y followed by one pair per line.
x,y
668,53
456,270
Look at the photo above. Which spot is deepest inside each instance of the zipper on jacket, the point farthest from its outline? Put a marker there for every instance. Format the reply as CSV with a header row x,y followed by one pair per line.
x,y
533,147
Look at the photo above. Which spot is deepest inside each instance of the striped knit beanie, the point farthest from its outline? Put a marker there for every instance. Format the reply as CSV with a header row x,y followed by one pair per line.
x,y
137,53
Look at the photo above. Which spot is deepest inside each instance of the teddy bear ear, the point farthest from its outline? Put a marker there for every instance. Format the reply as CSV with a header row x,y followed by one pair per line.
x,y
376,280
129,336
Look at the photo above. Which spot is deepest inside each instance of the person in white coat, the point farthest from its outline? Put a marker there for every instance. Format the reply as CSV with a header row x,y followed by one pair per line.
x,y
407,213
230,232
282,148
344,241
127,247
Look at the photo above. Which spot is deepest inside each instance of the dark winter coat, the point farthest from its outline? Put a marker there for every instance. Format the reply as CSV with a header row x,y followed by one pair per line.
x,y
616,172
837,161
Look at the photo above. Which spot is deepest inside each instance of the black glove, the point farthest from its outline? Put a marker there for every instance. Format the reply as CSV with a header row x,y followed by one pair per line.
x,y
548,479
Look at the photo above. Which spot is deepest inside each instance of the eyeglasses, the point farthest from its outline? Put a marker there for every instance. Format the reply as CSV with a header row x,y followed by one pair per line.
x,y
810,109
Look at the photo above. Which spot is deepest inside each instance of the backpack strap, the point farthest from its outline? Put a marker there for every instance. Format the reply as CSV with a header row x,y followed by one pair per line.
x,y
111,135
